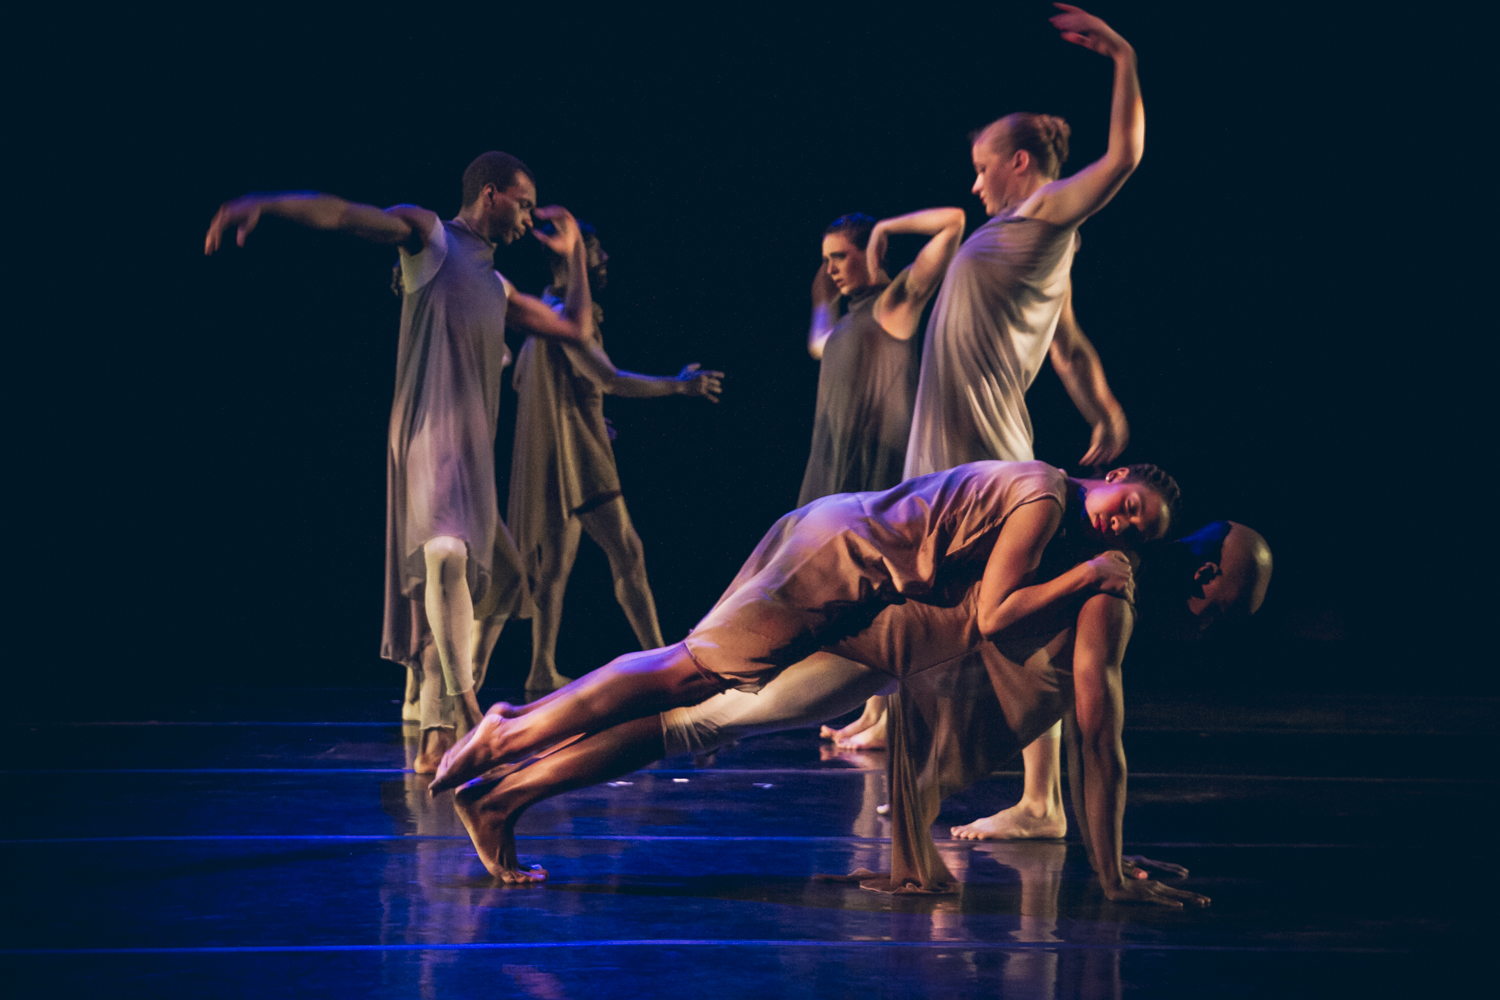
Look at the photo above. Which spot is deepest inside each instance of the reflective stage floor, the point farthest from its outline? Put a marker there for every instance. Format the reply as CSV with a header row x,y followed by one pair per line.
x,y
250,847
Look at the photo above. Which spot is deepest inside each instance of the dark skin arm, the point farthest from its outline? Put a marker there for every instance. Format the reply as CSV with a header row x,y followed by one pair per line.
x,y
1096,754
1007,598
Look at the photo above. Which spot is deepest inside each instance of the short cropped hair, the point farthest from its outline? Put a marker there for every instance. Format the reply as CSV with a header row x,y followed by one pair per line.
x,y
1157,479
495,168
855,227
1044,137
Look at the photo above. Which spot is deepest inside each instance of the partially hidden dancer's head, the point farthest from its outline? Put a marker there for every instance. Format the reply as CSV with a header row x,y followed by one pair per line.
x,y
844,244
1231,570
1131,505
598,262
1015,155
499,192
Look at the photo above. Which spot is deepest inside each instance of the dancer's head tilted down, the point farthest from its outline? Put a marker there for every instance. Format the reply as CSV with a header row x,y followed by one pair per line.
x,y
1015,155
1231,570
498,195
1131,505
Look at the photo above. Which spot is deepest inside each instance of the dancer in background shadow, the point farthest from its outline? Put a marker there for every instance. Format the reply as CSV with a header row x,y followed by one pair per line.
x,y
867,377
563,480
449,560
1006,306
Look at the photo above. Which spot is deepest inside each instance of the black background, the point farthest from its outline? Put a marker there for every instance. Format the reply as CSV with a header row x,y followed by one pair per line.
x,y
216,426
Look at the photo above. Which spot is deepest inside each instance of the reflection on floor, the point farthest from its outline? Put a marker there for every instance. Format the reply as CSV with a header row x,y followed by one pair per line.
x,y
241,849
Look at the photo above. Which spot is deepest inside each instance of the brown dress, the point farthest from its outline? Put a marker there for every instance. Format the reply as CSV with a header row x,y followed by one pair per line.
x,y
562,462
964,708
440,463
825,571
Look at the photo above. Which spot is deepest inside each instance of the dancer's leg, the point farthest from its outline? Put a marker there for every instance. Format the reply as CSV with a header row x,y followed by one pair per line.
x,y
411,710
450,613
629,687
435,713
490,812
609,526
557,556
821,686
1039,814
486,635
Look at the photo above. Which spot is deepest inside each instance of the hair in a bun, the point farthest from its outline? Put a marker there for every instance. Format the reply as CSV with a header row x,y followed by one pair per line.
x,y
1044,137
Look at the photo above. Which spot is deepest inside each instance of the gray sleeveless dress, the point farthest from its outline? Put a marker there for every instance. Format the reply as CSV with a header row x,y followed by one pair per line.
x,y
440,462
866,386
989,334
563,463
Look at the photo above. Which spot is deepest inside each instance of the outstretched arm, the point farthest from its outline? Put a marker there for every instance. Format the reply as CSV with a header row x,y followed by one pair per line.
x,y
1097,754
825,312
900,306
401,225
1007,597
691,381
1077,365
1069,201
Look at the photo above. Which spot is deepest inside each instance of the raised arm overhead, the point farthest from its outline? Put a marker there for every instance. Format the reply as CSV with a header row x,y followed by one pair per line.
x,y
1017,159
900,306
1069,201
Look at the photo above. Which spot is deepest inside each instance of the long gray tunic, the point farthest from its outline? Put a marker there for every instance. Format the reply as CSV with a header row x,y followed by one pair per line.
x,y
989,334
562,461
440,463
866,386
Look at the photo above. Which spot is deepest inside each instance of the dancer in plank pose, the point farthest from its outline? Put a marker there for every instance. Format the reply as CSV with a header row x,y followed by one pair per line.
x,y
449,561
867,377
563,480
966,543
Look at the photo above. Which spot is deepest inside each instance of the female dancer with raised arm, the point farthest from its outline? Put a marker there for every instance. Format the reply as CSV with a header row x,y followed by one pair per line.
x,y
1005,308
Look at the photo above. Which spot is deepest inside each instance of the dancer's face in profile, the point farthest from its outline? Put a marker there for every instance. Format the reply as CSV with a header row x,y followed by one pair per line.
x,y
1123,513
507,214
989,177
598,265
845,263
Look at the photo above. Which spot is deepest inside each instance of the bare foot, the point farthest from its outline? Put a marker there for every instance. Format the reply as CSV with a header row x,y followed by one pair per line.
x,y
873,713
486,814
1018,822
435,743
477,752
872,738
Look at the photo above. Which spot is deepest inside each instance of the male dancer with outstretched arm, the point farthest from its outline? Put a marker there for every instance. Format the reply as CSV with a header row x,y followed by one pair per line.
x,y
449,560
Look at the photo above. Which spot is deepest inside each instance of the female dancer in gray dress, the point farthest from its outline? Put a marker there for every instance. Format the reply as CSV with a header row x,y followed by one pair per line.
x,y
1005,308
867,377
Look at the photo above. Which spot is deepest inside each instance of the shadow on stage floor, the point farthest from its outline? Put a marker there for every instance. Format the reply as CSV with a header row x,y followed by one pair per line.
x,y
276,844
